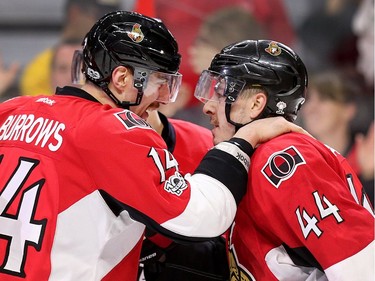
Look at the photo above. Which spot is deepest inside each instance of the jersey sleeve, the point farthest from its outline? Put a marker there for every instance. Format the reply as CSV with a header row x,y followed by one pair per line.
x,y
131,166
312,203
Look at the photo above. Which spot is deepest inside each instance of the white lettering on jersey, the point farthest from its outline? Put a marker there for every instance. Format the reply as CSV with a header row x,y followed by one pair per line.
x,y
310,223
46,101
176,183
38,131
330,208
364,199
20,230
307,223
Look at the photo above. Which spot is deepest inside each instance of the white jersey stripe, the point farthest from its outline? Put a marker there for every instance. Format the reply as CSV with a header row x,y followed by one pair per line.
x,y
97,240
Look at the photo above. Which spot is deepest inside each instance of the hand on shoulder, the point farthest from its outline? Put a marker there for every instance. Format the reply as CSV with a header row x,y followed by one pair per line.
x,y
262,130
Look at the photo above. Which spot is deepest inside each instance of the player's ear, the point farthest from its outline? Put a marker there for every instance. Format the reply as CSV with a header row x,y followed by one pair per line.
x,y
120,78
259,101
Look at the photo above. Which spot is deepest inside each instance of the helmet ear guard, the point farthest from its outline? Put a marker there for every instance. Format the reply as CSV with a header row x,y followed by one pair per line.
x,y
77,75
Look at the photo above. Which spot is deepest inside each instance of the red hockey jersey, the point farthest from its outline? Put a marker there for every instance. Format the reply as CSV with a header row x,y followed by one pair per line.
x,y
191,143
80,180
304,217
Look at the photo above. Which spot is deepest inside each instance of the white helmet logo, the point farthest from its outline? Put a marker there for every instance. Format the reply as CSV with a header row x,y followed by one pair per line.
x,y
280,107
92,73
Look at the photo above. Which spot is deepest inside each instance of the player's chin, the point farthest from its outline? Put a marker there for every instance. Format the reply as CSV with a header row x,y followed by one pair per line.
x,y
222,134
144,115
217,135
154,106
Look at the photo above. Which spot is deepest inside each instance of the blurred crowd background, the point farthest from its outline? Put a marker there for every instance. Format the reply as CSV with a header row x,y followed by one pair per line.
x,y
330,36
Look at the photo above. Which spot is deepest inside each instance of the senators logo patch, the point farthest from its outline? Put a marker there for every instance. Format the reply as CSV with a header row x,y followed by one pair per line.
x,y
282,165
136,35
273,49
131,120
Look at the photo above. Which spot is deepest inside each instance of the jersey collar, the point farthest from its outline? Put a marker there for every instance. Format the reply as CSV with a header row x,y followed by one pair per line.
x,y
168,134
76,92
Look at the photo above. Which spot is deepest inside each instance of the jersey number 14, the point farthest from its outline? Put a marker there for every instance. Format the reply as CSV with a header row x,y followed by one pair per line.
x,y
20,229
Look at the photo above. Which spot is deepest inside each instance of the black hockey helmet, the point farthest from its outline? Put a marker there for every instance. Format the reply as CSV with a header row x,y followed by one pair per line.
x,y
128,39
260,63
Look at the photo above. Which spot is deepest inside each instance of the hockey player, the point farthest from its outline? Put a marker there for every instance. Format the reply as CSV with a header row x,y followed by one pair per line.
x,y
305,215
82,173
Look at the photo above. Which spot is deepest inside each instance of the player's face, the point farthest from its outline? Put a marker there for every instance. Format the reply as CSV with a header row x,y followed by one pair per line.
x,y
222,129
62,65
160,88
148,102
321,116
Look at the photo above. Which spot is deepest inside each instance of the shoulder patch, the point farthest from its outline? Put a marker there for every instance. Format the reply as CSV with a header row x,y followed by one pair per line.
x,y
282,165
176,184
131,120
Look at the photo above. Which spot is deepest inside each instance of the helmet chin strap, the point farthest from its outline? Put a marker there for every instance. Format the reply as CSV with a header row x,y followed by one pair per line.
x,y
266,113
124,104
236,125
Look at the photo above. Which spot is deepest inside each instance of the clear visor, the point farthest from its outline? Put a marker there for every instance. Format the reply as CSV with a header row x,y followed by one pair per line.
x,y
210,87
167,85
214,87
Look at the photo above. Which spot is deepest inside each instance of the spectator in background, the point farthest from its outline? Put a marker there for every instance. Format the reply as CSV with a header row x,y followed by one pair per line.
x,y
7,78
223,26
363,27
60,69
61,63
324,35
79,16
328,114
